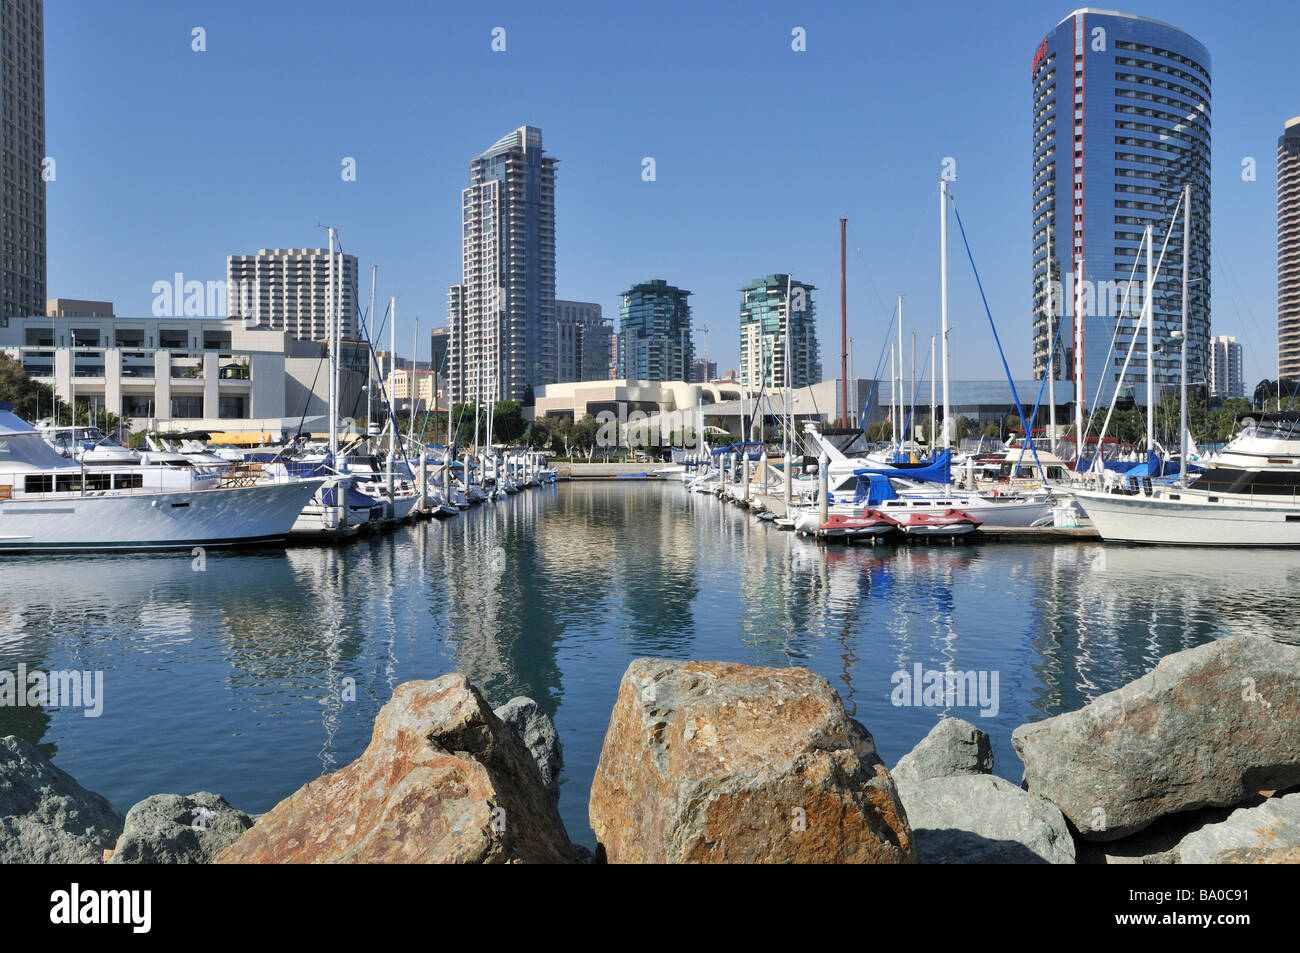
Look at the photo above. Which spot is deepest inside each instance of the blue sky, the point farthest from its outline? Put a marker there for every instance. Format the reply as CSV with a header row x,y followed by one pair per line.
x,y
168,160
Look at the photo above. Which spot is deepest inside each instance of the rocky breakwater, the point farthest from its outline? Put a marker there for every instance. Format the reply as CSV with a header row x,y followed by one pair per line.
x,y
443,780
1210,726
710,762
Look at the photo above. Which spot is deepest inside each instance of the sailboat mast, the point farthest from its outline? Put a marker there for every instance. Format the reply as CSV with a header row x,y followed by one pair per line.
x,y
1150,311
1049,307
943,300
1078,367
334,357
785,400
844,324
1182,382
370,383
899,427
392,414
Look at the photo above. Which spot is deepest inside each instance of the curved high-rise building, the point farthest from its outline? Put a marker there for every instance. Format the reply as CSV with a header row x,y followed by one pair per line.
x,y
1288,250
1121,123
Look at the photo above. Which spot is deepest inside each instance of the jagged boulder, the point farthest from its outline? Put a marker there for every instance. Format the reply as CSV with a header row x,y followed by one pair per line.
x,y
1272,825
536,730
443,780
952,747
46,817
173,829
983,819
1208,726
711,762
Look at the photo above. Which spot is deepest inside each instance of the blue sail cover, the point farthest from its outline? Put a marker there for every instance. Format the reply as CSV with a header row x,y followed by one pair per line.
x,y
753,449
356,499
874,489
939,470
299,469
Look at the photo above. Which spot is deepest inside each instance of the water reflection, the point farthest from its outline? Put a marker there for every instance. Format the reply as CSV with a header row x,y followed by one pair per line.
x,y
257,674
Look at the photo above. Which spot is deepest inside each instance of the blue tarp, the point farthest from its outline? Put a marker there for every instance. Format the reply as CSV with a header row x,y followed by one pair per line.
x,y
356,499
874,490
938,470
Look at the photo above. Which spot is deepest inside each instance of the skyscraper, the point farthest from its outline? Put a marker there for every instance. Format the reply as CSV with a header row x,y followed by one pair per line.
x,y
581,342
654,338
1226,378
1288,250
22,62
764,311
502,314
287,289
1121,122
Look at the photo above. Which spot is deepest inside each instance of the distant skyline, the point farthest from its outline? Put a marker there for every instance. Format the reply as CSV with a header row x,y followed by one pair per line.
x,y
169,159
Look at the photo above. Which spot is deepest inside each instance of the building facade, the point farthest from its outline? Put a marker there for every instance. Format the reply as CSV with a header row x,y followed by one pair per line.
x,y
287,289
1121,123
75,308
581,341
1288,250
703,371
1226,377
654,337
502,314
766,305
22,160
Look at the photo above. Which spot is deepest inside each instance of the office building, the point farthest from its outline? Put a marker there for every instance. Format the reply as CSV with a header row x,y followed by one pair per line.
x,y
654,337
581,341
703,371
22,159
1121,123
287,289
502,314
764,311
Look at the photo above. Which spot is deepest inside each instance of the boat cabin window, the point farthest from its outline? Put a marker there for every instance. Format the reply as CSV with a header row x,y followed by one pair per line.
x,y
39,483
128,481
68,482
99,481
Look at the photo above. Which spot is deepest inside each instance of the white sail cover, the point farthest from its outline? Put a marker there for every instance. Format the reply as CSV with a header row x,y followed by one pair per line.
x,y
22,448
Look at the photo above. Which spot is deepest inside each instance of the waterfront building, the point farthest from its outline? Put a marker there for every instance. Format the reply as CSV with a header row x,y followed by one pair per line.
x,y
581,341
23,163
411,389
1121,123
287,289
654,338
185,373
1288,250
502,314
764,311
1226,378
75,308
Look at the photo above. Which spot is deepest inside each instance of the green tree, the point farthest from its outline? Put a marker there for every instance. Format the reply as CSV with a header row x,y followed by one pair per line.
x,y
508,423
539,434
584,435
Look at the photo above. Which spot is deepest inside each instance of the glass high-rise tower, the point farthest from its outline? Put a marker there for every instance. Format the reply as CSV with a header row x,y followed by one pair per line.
x,y
1121,123
22,57
502,314
1288,250
654,335
764,311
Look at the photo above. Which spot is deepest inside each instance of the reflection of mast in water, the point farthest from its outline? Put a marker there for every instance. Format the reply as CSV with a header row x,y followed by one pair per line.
x,y
335,613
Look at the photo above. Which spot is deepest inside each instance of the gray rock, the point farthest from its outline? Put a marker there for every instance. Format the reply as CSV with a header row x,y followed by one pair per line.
x,y
1209,726
171,829
983,819
952,747
536,730
46,817
1273,825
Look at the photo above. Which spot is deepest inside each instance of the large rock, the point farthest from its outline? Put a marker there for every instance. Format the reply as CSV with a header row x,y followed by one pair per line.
x,y
983,819
709,762
536,730
952,747
46,817
442,781
1259,855
172,829
1208,726
1273,825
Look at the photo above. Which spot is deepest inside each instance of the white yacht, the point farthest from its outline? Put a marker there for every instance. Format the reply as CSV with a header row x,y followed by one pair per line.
x,y
49,503
1249,495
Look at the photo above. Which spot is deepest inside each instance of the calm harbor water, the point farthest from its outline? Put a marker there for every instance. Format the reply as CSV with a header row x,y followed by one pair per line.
x,y
230,679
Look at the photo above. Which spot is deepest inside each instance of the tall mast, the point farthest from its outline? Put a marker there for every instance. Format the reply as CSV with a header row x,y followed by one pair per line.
x,y
1182,382
392,411
898,430
932,379
943,300
1078,367
844,326
789,377
911,393
893,390
1151,358
334,358
370,384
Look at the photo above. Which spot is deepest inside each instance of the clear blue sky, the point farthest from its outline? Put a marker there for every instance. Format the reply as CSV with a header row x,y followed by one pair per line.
x,y
169,160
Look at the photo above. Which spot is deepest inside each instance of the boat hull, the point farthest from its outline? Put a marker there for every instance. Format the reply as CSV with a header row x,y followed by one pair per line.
x,y
260,514
1191,520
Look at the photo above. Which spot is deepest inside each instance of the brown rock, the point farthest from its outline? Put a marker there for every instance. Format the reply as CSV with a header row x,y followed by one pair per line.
x,y
710,762
442,781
